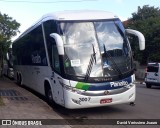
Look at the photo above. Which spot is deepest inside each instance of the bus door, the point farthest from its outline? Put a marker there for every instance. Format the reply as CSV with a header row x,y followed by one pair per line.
x,y
57,89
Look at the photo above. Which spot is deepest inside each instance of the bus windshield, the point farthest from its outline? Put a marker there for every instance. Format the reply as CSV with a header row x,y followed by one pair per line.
x,y
95,48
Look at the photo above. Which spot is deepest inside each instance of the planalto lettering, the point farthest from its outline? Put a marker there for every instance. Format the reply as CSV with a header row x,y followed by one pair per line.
x,y
118,84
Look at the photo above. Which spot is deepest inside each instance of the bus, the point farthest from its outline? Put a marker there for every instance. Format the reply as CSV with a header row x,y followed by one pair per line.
x,y
7,68
77,59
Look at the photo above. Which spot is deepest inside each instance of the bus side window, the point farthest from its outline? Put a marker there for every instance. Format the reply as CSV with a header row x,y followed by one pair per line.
x,y
55,58
50,26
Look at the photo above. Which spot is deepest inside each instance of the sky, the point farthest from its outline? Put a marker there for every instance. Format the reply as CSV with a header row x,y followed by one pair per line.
x,y
27,12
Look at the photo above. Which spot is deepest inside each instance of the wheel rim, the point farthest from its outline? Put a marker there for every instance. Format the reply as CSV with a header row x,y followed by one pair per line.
x,y
50,95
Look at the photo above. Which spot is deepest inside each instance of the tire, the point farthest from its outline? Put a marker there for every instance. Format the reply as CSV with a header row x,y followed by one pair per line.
x,y
49,95
148,85
19,79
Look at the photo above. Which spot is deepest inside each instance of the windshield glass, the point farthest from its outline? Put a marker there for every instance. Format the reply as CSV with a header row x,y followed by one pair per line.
x,y
95,49
114,47
80,44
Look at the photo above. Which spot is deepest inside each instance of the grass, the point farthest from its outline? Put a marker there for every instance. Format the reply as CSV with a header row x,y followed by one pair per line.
x,y
1,102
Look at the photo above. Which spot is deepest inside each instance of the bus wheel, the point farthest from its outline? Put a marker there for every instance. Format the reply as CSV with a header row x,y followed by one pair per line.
x,y
49,95
18,79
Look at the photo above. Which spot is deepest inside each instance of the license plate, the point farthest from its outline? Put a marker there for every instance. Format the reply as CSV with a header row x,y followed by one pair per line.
x,y
104,101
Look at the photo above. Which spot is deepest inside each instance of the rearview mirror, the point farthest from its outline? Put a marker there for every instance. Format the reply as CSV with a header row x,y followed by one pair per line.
x,y
140,36
59,43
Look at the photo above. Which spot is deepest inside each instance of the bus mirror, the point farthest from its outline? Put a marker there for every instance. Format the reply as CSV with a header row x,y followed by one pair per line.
x,y
59,43
9,59
140,37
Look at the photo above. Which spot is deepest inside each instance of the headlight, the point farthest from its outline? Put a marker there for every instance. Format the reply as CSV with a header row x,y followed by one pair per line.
x,y
72,89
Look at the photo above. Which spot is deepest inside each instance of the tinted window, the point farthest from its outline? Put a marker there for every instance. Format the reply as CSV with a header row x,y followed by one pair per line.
x,y
30,50
51,27
55,58
152,69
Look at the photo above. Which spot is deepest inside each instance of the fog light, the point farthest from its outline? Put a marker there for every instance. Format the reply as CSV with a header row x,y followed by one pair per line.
x,y
106,92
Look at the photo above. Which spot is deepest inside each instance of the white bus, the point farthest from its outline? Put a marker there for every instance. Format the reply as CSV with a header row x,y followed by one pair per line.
x,y
78,59
7,68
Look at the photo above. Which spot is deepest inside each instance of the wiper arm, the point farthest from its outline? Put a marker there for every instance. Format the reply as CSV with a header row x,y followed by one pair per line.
x,y
92,59
94,54
114,63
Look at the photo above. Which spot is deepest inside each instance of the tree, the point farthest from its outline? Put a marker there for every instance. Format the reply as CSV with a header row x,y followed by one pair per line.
x,y
8,29
147,21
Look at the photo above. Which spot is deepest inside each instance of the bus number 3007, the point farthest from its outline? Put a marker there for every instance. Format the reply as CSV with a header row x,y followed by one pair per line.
x,y
84,99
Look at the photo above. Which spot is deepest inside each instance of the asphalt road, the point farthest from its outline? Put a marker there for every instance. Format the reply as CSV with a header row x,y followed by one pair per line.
x,y
147,107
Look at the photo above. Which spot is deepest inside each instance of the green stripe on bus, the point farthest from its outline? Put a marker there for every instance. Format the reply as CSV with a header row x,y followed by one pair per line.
x,y
83,86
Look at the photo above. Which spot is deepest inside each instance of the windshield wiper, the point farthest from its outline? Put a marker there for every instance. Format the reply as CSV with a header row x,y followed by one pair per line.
x,y
90,65
114,63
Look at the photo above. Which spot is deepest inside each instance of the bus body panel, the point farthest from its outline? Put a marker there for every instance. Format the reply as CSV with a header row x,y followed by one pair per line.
x,y
79,95
35,76
74,100
57,89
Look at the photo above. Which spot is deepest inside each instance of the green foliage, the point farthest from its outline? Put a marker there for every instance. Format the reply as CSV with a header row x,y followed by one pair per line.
x,y
147,21
1,102
8,29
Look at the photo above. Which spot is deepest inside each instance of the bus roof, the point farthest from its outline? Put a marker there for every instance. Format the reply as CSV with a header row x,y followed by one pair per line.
x,y
80,15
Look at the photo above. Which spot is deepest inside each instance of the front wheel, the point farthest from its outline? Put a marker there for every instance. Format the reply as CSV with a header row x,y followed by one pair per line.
x,y
49,95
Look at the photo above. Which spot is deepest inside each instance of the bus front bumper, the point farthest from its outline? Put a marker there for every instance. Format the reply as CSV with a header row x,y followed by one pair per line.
x,y
74,100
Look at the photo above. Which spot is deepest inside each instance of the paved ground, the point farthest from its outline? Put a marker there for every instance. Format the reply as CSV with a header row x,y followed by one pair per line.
x,y
18,103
